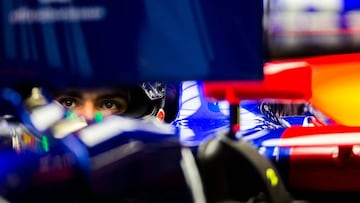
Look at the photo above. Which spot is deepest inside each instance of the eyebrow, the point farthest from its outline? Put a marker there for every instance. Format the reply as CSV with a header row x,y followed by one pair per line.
x,y
71,93
100,94
113,95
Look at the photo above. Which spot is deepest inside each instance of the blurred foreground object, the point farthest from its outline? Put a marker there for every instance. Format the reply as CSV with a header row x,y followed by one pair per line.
x,y
91,43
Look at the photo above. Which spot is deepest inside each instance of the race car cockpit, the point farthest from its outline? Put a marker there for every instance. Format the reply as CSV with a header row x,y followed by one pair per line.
x,y
156,54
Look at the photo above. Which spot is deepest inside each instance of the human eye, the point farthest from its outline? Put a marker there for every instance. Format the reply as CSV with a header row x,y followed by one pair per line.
x,y
108,104
68,102
114,105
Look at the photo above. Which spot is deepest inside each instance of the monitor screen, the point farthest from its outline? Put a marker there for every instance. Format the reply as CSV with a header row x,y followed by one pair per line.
x,y
92,42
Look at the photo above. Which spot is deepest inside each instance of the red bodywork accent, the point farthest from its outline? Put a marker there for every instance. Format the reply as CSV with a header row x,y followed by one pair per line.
x,y
281,81
53,175
335,86
322,158
328,161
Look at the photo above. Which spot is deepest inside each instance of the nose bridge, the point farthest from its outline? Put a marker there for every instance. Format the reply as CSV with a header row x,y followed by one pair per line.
x,y
88,110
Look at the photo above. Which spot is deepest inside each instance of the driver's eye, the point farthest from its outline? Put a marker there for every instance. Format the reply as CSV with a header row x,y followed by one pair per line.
x,y
109,105
68,102
116,105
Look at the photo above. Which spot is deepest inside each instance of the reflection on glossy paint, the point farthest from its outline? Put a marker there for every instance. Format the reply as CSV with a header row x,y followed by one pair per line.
x,y
316,140
190,100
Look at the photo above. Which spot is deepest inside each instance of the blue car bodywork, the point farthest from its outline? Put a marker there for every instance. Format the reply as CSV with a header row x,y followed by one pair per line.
x,y
118,158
